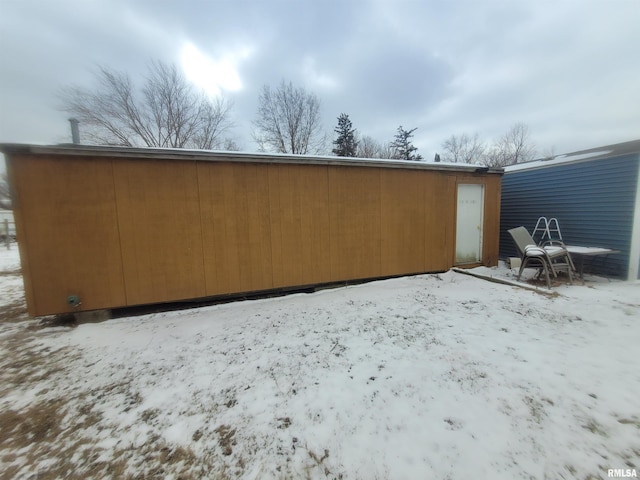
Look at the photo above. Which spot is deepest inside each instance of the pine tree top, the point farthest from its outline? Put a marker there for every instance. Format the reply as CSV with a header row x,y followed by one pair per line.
x,y
346,143
403,147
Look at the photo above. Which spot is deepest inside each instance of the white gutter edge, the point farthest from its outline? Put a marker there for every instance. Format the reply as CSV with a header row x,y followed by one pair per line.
x,y
634,253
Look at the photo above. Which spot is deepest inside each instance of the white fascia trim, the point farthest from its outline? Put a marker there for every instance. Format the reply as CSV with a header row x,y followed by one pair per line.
x,y
634,254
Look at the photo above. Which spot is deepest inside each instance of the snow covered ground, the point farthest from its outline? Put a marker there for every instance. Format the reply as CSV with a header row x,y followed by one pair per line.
x,y
435,376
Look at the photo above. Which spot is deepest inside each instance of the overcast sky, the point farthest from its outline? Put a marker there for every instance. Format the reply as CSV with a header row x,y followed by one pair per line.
x,y
570,70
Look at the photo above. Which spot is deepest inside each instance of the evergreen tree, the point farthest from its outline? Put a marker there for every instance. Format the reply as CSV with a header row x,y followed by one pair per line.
x,y
346,143
405,150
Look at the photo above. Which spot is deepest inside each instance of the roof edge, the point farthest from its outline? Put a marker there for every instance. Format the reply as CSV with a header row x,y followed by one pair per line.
x,y
597,153
239,157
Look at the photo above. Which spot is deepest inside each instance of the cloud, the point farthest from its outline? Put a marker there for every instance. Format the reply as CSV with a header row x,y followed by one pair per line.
x,y
214,76
566,68
314,77
399,80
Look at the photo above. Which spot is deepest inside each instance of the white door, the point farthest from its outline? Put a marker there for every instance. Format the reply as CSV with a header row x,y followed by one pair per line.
x,y
469,223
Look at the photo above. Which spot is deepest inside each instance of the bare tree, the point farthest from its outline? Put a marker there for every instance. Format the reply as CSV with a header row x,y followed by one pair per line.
x,y
5,192
518,143
165,112
463,149
387,151
494,157
369,147
230,145
288,120
513,147
549,153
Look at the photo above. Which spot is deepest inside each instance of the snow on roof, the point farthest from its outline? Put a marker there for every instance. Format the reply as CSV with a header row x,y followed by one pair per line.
x,y
581,155
566,158
251,157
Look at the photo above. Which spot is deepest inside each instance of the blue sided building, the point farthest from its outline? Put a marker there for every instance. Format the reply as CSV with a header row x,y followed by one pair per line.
x,y
595,196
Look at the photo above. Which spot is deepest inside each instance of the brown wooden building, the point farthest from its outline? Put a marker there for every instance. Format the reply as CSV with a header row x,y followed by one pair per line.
x,y
129,226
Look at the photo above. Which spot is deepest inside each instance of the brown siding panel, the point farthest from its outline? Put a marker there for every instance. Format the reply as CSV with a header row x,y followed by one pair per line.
x,y
439,221
159,221
236,227
491,240
402,222
299,200
354,206
68,233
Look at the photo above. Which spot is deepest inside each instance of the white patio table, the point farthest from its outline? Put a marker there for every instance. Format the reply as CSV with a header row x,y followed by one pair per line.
x,y
580,253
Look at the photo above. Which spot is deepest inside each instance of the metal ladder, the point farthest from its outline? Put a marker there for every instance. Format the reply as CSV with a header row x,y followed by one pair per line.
x,y
547,227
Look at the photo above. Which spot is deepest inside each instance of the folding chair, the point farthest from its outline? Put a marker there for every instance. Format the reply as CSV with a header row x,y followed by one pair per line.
x,y
547,258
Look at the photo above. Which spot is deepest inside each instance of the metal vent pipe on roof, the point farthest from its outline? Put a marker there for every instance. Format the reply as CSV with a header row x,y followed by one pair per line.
x,y
75,131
